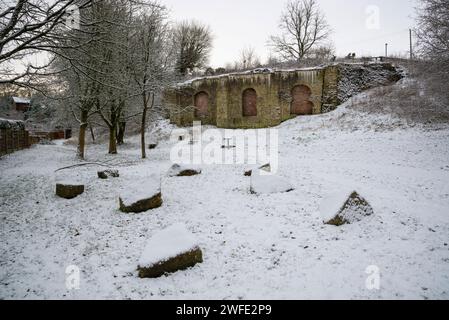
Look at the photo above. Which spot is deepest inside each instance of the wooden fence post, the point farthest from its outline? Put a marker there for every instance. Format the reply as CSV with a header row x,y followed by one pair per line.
x,y
19,147
14,140
8,141
3,148
21,140
27,139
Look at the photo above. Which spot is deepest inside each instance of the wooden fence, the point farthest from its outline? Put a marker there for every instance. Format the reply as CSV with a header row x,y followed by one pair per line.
x,y
13,140
14,136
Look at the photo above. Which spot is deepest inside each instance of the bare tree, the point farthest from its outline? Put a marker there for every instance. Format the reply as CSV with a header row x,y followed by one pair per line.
x,y
27,27
153,58
325,52
433,29
82,67
194,43
303,27
115,49
433,44
248,59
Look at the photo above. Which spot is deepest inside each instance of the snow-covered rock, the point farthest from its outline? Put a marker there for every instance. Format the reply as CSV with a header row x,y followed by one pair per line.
x,y
168,251
142,197
267,184
344,208
178,170
266,168
108,174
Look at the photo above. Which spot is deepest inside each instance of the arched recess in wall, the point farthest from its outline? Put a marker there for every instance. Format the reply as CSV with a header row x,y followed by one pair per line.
x,y
301,104
201,105
249,103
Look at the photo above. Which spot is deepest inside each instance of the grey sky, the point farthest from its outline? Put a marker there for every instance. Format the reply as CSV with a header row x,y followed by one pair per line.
x,y
240,23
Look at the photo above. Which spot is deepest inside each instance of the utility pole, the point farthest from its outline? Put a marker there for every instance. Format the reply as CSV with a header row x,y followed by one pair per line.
x,y
386,50
411,45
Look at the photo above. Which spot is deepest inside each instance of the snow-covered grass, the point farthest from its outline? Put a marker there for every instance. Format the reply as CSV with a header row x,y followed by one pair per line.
x,y
271,246
267,184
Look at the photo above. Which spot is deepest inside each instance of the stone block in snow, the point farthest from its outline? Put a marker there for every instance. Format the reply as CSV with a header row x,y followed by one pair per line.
x,y
344,208
69,190
141,197
178,170
267,184
169,251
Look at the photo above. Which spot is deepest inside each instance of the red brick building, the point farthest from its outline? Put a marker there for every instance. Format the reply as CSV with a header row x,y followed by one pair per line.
x,y
21,104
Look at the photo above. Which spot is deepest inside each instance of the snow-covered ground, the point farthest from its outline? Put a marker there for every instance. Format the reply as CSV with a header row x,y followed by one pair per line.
x,y
270,246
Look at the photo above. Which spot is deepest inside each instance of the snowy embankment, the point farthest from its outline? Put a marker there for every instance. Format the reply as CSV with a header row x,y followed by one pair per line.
x,y
267,246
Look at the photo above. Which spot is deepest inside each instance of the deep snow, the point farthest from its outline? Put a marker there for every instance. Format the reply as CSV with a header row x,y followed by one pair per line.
x,y
271,246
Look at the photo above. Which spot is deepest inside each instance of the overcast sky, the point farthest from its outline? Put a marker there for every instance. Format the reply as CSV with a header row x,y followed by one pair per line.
x,y
240,23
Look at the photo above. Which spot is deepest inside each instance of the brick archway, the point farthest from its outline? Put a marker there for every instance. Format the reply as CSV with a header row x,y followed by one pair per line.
x,y
249,103
201,105
301,104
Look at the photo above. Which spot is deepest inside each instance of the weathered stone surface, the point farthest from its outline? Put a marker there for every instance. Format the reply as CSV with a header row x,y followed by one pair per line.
x,y
141,205
69,191
339,209
189,173
266,167
183,171
108,174
248,173
181,262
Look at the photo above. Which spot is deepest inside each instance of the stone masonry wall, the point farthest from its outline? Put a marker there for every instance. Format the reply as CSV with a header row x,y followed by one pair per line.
x,y
329,86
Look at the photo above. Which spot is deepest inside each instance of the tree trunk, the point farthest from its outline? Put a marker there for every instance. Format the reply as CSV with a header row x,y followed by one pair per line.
x,y
144,121
121,132
142,133
112,140
92,133
143,126
82,134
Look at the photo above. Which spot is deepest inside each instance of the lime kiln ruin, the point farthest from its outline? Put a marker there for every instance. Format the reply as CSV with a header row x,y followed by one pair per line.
x,y
265,98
